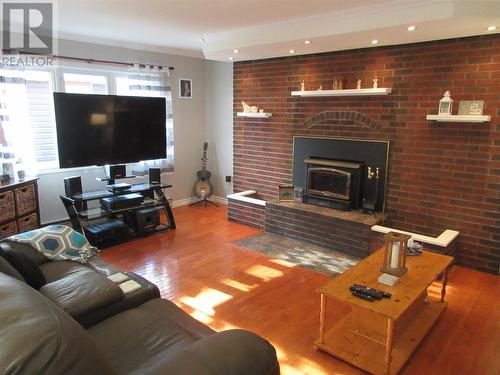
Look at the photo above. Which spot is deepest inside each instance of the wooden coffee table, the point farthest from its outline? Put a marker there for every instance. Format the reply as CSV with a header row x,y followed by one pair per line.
x,y
380,336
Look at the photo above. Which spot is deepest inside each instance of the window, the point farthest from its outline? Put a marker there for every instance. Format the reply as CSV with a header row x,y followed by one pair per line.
x,y
85,83
28,118
27,121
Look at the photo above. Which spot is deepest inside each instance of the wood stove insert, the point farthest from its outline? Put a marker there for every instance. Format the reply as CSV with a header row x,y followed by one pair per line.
x,y
333,183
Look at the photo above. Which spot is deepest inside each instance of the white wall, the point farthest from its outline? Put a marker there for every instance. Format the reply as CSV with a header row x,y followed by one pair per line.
x,y
219,120
189,125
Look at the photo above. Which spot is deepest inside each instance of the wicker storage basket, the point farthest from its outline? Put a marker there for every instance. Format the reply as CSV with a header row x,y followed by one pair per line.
x,y
8,229
27,223
25,199
7,207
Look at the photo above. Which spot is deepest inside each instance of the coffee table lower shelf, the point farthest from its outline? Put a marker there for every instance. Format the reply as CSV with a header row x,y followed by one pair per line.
x,y
368,354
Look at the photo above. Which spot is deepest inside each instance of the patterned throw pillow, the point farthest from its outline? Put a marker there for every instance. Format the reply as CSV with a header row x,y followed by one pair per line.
x,y
58,242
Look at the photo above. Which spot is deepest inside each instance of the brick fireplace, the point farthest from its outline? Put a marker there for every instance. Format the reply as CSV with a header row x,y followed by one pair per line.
x,y
341,173
439,175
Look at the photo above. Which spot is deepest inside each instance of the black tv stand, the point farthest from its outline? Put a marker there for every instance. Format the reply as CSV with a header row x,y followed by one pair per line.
x,y
145,189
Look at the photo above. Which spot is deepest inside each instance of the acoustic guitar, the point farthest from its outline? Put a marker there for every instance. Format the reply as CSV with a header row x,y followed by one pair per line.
x,y
203,188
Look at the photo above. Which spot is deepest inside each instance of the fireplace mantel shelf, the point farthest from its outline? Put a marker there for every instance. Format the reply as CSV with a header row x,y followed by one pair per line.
x,y
344,92
254,115
458,118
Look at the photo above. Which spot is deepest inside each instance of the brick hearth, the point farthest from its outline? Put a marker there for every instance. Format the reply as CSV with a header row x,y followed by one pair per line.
x,y
441,175
345,231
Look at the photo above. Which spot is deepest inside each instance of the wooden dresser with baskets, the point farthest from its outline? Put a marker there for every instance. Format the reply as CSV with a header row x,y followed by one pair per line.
x,y
19,209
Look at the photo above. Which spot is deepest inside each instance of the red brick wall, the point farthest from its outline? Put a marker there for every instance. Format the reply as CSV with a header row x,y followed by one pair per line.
x,y
246,213
441,175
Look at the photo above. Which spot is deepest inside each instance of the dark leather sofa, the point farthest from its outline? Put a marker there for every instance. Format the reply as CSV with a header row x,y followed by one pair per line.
x,y
78,323
83,290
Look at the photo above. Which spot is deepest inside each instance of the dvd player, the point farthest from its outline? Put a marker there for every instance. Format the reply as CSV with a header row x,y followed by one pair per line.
x,y
116,188
122,201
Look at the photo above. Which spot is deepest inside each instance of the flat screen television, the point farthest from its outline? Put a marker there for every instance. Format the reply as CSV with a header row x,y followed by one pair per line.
x,y
109,129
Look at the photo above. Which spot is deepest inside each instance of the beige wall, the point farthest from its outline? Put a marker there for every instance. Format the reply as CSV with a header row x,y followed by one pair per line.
x,y
219,120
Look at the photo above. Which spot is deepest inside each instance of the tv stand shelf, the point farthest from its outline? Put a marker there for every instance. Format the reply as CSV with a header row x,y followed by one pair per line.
x,y
104,179
99,212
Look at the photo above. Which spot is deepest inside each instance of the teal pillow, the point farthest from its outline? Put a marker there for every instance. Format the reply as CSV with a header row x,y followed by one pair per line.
x,y
58,242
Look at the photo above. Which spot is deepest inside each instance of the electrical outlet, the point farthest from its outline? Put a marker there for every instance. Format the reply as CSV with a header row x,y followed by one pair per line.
x,y
228,178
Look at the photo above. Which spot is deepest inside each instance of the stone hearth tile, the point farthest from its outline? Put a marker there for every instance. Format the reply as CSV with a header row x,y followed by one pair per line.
x,y
317,258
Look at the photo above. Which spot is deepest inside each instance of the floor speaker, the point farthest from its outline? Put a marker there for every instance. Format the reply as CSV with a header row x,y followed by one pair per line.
x,y
143,221
73,186
154,176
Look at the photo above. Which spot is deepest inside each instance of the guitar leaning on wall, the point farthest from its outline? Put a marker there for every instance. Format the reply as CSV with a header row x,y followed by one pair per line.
x,y
203,188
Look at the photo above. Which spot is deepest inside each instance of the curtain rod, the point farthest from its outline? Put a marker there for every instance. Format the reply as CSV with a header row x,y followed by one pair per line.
x,y
81,59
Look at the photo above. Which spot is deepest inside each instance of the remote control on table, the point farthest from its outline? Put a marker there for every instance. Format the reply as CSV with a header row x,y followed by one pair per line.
x,y
363,295
375,293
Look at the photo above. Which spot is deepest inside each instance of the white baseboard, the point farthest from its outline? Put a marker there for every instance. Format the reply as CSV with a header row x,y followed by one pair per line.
x,y
218,199
186,201
183,202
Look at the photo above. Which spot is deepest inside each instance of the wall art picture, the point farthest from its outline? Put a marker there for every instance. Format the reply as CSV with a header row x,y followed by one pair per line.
x,y
185,88
471,107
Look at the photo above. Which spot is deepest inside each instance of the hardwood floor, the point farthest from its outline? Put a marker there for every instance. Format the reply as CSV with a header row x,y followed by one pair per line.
x,y
200,268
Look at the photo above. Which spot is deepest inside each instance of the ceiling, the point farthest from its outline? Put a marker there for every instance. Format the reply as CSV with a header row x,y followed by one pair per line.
x,y
269,28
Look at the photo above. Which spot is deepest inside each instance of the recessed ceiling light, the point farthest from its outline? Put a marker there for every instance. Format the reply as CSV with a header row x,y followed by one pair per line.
x,y
236,51
492,28
374,41
230,58
412,28
307,42
292,51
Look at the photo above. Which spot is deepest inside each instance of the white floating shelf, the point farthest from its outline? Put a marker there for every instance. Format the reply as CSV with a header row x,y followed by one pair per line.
x,y
458,118
254,115
346,92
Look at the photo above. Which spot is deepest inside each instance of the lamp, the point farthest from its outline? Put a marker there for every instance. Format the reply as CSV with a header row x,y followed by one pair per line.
x,y
395,253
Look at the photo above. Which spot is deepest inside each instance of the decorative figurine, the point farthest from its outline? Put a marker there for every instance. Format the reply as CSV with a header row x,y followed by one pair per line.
x,y
375,82
358,84
340,85
445,105
320,87
249,109
261,110
302,86
246,107
335,85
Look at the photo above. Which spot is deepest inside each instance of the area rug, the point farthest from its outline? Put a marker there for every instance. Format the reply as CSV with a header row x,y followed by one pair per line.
x,y
316,258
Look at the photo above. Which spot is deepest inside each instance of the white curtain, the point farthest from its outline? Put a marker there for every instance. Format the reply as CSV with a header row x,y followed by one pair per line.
x,y
16,144
151,81
27,125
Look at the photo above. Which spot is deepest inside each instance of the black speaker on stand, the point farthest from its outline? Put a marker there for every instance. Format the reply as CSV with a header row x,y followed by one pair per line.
x,y
154,179
73,186
116,172
154,176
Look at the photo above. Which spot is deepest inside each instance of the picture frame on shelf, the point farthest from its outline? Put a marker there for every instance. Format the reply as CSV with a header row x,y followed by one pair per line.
x,y
285,193
185,88
471,107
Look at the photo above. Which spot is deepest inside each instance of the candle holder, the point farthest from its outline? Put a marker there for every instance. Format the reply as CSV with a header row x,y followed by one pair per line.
x,y
395,253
